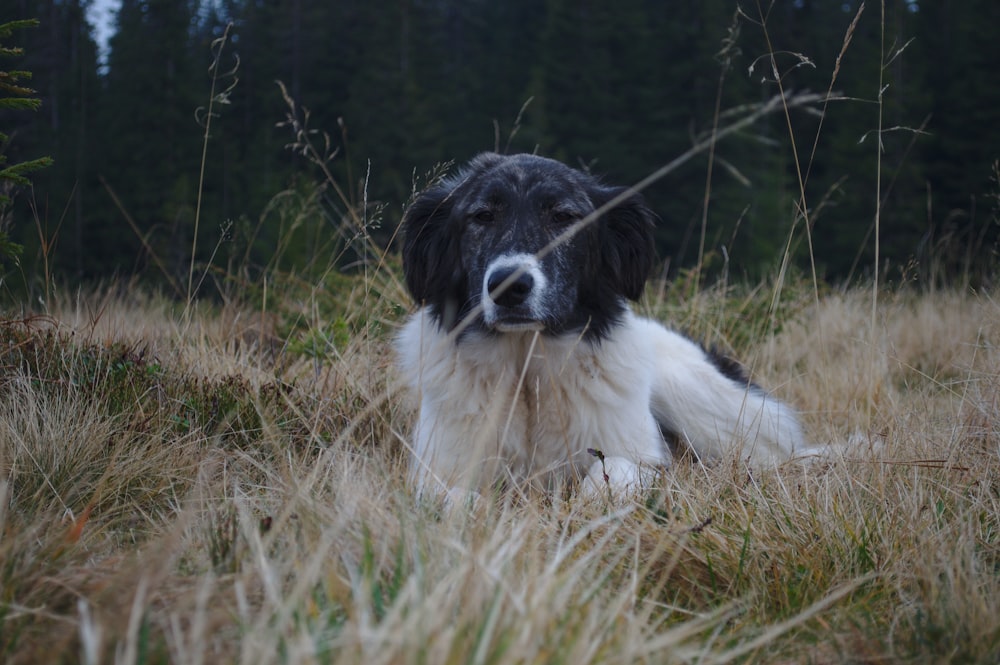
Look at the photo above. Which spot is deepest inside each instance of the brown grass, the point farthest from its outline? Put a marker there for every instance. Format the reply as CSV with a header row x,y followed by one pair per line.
x,y
142,522
194,484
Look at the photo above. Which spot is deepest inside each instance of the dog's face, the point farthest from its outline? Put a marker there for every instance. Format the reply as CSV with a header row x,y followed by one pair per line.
x,y
480,249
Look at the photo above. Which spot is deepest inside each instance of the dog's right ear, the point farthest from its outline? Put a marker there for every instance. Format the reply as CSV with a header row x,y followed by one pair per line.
x,y
432,263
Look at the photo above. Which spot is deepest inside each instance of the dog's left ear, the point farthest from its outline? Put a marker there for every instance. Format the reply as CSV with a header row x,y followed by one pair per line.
x,y
626,241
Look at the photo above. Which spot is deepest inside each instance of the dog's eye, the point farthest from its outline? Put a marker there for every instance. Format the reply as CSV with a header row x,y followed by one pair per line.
x,y
484,216
563,217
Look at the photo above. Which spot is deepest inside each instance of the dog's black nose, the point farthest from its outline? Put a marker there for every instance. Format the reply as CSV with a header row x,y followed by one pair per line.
x,y
515,293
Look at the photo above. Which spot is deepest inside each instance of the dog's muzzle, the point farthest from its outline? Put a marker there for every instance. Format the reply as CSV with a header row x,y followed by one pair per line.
x,y
513,290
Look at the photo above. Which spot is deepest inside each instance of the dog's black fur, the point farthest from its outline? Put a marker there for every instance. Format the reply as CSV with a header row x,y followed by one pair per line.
x,y
521,203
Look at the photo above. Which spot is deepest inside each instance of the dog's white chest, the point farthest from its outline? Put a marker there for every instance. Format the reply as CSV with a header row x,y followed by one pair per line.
x,y
530,406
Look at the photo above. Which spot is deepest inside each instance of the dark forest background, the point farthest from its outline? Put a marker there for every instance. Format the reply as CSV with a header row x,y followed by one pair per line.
x,y
403,87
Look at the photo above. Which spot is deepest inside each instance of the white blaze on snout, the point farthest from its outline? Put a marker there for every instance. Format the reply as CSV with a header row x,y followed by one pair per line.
x,y
528,315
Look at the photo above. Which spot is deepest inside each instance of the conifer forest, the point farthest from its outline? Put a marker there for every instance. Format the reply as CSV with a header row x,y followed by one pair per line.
x,y
230,126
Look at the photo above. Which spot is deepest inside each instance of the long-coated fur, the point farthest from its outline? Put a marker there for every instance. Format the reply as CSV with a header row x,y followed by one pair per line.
x,y
527,360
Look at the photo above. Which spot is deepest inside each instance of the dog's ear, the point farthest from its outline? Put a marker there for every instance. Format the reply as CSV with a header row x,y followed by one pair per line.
x,y
626,241
431,258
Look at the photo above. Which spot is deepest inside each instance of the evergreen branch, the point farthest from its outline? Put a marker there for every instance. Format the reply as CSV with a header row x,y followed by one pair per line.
x,y
19,103
14,74
7,29
17,172
8,248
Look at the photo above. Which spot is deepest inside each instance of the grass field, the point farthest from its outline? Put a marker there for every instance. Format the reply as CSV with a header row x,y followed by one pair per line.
x,y
227,484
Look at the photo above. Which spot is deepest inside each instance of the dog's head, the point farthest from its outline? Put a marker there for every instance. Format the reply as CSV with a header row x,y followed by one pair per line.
x,y
481,244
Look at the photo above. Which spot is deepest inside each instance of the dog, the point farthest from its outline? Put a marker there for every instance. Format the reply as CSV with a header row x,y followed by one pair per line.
x,y
527,360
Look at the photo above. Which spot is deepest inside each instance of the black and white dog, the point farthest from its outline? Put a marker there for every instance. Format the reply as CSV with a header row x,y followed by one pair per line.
x,y
525,353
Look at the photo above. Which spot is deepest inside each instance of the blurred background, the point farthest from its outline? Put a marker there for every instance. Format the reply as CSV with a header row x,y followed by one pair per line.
x,y
389,93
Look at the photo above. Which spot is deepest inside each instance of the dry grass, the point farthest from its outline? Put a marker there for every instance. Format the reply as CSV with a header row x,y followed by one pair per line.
x,y
197,484
203,490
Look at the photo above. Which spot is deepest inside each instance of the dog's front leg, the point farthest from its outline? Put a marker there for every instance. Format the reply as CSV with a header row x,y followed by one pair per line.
x,y
616,477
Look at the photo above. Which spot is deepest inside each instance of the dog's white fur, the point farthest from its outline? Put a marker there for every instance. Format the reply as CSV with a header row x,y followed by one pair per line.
x,y
525,359
529,406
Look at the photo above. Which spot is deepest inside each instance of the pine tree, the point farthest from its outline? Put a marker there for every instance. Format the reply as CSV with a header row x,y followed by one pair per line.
x,y
20,99
961,56
152,140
